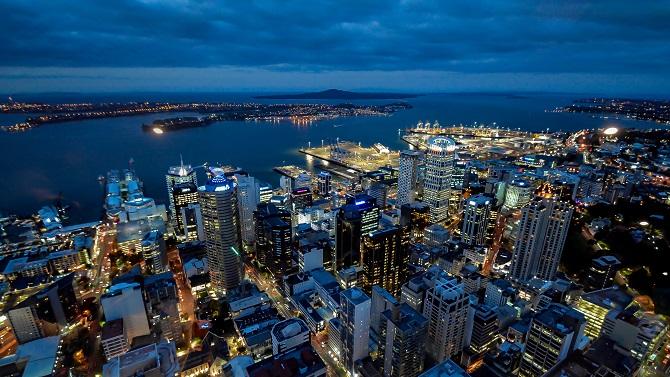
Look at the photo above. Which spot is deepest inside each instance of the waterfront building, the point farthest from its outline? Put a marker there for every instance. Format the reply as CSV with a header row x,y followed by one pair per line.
x,y
265,192
289,334
301,198
541,236
218,203
355,318
518,194
408,177
248,197
125,301
476,220
154,252
402,345
437,181
184,195
178,175
553,334
384,259
446,306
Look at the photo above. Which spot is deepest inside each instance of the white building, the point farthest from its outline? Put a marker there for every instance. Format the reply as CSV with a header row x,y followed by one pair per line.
x,y
248,197
407,176
446,308
125,301
289,334
355,317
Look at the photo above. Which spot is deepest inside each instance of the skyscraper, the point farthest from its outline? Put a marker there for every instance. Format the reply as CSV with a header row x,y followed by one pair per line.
x,y
446,307
360,216
407,176
384,259
414,218
437,182
248,197
403,341
355,319
176,175
542,231
324,183
518,194
481,333
154,252
184,195
554,332
476,218
273,235
218,203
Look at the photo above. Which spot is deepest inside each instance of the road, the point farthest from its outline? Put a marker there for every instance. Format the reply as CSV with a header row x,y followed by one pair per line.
x,y
285,308
495,246
186,299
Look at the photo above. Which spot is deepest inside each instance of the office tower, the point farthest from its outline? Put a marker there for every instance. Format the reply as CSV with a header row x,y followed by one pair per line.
x,y
355,317
301,198
273,232
162,301
402,341
554,333
379,191
381,301
218,203
177,175
264,192
414,218
46,312
191,217
437,181
541,236
476,219
289,334
481,333
324,183
518,194
596,305
384,259
154,252
347,237
458,176
602,271
248,197
446,306
183,195
369,210
500,292
125,301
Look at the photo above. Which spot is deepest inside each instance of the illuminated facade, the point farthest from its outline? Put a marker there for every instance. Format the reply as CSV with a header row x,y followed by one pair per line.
x,y
408,176
518,194
384,259
476,220
176,175
183,195
437,182
218,203
446,307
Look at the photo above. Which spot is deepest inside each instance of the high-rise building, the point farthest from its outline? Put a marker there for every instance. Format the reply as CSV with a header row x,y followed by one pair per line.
x,y
218,203
518,194
355,333
368,207
176,175
596,305
324,183
273,236
379,191
402,344
385,259
481,333
543,229
381,301
476,219
437,181
125,301
602,271
264,192
408,176
184,195
640,333
446,306
553,334
191,217
248,197
162,303
154,252
347,237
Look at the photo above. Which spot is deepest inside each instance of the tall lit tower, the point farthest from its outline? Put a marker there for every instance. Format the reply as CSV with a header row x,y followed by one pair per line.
x,y
476,217
355,316
176,175
437,181
542,231
407,176
248,197
218,204
446,307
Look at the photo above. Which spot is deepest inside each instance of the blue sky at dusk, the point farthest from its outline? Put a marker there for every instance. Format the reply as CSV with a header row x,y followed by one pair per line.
x,y
616,46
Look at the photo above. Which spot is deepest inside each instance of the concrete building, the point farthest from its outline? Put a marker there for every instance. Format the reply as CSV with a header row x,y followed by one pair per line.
x,y
403,333
289,334
114,339
476,219
602,271
248,197
154,360
597,304
382,300
154,252
125,301
517,195
384,259
446,306
408,177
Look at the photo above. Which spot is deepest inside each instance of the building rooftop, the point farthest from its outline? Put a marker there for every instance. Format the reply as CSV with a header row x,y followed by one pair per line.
x,y
609,297
355,295
299,361
112,329
289,328
560,318
447,368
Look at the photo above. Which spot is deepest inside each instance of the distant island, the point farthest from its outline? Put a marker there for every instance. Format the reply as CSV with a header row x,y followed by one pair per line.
x,y
339,94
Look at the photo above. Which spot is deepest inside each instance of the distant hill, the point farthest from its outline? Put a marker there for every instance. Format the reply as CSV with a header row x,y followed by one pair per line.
x,y
339,94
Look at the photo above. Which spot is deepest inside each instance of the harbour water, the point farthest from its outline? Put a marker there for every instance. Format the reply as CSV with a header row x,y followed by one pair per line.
x,y
66,159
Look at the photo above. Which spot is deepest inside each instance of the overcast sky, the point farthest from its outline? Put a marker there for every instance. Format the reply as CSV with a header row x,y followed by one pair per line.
x,y
611,46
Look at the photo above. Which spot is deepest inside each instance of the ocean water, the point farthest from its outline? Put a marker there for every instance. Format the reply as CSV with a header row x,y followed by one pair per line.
x,y
65,159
